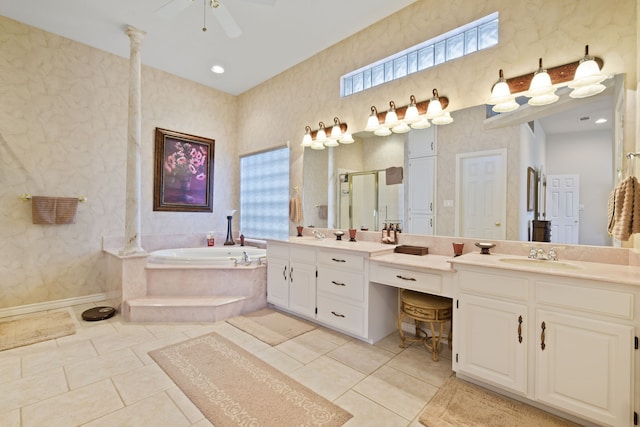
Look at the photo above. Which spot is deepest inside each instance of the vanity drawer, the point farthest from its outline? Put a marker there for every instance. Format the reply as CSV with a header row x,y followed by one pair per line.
x,y
344,284
598,301
406,278
494,284
344,316
342,260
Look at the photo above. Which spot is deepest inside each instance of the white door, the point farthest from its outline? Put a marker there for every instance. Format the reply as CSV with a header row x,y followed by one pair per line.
x,y
481,187
562,207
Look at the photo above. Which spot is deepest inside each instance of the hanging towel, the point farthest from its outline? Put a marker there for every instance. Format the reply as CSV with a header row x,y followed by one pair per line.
x,y
626,209
323,211
54,210
295,210
393,175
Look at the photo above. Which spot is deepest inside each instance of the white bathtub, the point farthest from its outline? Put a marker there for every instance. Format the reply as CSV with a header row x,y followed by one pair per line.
x,y
215,256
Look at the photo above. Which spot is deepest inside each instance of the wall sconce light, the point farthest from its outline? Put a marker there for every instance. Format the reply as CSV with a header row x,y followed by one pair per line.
x,y
318,139
583,76
416,115
586,81
541,91
501,97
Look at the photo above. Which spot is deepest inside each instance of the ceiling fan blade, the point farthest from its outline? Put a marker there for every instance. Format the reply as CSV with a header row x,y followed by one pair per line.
x,y
173,8
226,21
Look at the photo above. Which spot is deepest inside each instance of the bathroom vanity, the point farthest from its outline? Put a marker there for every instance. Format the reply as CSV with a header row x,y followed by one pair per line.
x,y
558,334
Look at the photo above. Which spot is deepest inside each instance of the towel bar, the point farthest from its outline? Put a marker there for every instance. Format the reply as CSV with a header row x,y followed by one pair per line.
x,y
27,196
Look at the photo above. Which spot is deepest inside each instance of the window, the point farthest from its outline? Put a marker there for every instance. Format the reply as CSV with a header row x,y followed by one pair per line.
x,y
264,194
465,40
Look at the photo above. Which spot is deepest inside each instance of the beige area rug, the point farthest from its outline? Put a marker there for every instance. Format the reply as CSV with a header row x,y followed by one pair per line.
x,y
234,388
35,328
271,326
461,403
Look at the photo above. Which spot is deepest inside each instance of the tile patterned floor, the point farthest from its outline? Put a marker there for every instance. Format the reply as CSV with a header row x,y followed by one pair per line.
x,y
102,375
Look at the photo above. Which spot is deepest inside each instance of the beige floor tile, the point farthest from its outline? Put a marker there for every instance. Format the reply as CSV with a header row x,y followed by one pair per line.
x,y
29,390
330,335
64,354
279,360
368,413
417,361
10,368
185,404
73,408
327,377
203,423
124,336
157,410
307,347
390,343
104,366
142,350
141,383
361,356
399,392
11,418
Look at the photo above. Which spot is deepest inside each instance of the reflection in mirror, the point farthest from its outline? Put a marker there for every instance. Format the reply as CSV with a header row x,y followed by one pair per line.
x,y
557,141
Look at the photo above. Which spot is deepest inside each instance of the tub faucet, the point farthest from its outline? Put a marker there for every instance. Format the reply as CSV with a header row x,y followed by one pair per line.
x,y
246,258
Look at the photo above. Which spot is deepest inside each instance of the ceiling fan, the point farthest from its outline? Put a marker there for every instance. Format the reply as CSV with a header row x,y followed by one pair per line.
x,y
220,12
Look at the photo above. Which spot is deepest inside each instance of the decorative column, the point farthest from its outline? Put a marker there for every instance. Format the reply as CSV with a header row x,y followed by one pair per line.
x,y
134,135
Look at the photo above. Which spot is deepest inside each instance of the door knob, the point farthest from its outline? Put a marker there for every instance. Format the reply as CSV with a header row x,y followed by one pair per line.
x,y
498,224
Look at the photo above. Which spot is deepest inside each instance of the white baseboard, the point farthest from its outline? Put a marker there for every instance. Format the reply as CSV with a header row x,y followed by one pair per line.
x,y
50,305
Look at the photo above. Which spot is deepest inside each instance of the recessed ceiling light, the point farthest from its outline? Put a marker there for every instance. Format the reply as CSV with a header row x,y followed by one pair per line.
x,y
601,121
217,69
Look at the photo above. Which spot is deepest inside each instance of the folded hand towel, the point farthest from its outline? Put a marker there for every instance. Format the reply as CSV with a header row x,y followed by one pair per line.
x,y
54,210
393,175
626,217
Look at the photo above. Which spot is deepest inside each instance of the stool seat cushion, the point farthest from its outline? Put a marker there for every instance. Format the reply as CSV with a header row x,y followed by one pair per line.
x,y
419,299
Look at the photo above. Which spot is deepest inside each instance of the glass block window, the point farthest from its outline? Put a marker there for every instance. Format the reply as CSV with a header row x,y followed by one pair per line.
x,y
264,194
465,40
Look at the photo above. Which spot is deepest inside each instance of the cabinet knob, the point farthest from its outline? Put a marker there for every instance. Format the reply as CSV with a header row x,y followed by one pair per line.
x,y
498,224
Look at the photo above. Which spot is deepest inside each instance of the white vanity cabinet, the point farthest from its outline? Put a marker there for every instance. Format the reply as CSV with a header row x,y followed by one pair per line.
x,y
291,278
564,342
490,330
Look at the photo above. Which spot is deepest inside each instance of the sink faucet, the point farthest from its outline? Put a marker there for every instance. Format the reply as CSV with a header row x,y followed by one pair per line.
x,y
318,235
542,255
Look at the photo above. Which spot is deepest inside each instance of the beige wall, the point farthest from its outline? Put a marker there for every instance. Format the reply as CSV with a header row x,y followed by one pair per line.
x,y
63,132
63,120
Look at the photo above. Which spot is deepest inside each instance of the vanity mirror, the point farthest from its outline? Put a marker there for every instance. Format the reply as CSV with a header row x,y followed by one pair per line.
x,y
557,141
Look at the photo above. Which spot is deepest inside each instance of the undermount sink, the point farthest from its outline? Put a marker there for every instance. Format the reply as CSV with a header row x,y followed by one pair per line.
x,y
542,264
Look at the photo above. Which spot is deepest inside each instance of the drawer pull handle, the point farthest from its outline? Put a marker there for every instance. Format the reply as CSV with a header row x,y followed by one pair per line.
x,y
338,260
520,329
406,278
284,272
542,344
291,274
337,314
338,283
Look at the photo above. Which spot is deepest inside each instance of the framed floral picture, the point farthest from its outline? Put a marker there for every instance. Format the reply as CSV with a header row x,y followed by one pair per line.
x,y
183,180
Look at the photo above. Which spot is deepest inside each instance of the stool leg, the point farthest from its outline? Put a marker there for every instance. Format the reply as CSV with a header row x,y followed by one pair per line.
x,y
400,331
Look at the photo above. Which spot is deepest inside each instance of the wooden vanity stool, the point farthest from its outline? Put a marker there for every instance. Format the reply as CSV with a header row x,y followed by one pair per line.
x,y
431,309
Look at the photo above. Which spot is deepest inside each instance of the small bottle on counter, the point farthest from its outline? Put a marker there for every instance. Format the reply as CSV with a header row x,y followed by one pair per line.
x,y
241,239
210,239
384,231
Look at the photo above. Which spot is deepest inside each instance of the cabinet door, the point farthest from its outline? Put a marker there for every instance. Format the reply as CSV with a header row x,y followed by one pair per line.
x,y
585,367
420,224
421,142
421,185
302,288
278,282
492,342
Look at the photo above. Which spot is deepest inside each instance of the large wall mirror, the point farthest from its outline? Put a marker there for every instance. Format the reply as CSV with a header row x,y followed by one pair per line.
x,y
560,142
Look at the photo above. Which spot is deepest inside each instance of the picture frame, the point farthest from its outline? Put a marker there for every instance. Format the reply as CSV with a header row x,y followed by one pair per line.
x,y
183,178
531,189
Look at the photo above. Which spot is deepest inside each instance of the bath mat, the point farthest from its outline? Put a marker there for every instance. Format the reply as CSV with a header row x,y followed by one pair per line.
x,y
271,326
460,403
35,328
231,387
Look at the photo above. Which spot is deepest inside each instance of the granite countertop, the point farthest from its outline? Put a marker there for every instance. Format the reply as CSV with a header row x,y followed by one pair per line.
x,y
614,273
